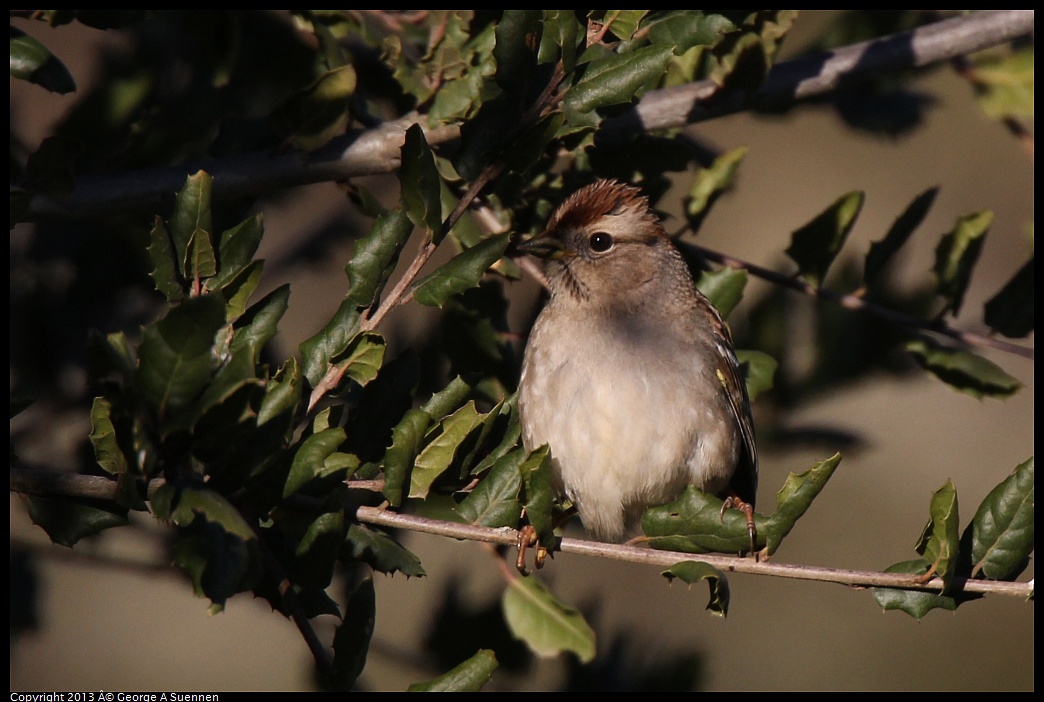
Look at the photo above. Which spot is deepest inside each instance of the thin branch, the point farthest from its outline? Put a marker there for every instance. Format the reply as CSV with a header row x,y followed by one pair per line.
x,y
71,485
854,302
376,151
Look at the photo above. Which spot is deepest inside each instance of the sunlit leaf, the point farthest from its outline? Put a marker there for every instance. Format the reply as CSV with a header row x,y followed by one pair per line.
x,y
469,676
1002,534
31,61
724,288
461,272
956,254
940,540
546,625
916,603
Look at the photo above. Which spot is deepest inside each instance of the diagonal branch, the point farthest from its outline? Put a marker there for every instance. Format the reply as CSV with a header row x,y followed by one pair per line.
x,y
376,151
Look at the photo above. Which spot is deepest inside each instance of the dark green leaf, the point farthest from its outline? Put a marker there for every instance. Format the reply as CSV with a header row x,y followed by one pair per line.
x,y
103,438
1010,311
332,340
176,357
494,501
694,524
724,288
317,551
746,55
514,57
200,260
407,439
759,371
352,640
165,267
185,505
956,255
67,520
814,246
191,212
448,399
363,357
469,676
794,499
236,249
881,252
319,112
688,28
420,183
940,540
282,394
313,459
537,480
1002,532
375,257
31,61
692,572
559,38
962,370
616,79
382,552
546,625
916,603
623,23
461,272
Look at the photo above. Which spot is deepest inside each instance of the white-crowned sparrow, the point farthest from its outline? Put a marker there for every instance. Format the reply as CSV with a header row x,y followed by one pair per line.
x,y
629,373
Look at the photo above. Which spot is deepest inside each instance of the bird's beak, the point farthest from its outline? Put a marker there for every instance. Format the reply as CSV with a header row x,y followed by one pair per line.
x,y
546,246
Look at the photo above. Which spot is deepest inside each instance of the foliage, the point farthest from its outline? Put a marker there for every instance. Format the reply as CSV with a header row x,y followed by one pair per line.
x,y
257,457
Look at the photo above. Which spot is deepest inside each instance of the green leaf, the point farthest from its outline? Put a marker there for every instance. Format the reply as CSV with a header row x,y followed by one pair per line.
x,y
67,520
420,183
538,481
236,250
514,57
200,261
1004,85
461,272
694,524
916,603
494,501
237,292
381,552
724,288
31,61
710,183
177,358
438,455
448,399
110,456
364,357
407,439
375,257
940,540
617,78
559,38
956,254
1010,312
313,459
165,266
881,252
331,340
691,572
759,371
685,29
814,246
183,506
623,23
469,676
962,370
546,625
191,212
352,639
320,112
316,553
1002,534
282,394
746,54
794,499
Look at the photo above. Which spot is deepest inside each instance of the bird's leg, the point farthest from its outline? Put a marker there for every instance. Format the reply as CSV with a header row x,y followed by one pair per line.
x,y
527,537
734,501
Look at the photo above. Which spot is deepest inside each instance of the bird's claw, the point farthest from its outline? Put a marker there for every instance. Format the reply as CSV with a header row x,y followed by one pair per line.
x,y
527,537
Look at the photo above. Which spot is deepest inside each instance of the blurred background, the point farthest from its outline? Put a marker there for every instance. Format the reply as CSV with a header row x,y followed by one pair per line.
x,y
112,615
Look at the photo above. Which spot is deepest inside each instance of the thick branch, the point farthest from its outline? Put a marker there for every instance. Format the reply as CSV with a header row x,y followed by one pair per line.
x,y
72,485
376,151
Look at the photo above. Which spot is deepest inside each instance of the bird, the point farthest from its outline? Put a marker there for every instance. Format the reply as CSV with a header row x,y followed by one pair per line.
x,y
629,374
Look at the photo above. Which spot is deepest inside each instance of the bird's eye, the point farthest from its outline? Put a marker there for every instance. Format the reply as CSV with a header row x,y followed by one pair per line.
x,y
601,242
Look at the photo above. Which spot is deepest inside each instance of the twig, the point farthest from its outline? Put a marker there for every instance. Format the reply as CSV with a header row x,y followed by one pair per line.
x,y
72,485
376,151
853,302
